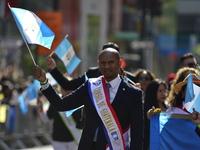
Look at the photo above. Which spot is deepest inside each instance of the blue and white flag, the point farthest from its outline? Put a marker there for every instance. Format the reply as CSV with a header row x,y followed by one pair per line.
x,y
50,78
32,28
10,119
27,95
189,90
173,132
195,102
66,53
86,77
70,112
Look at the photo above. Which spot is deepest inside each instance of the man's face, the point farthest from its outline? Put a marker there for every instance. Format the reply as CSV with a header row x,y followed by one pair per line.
x,y
189,62
109,65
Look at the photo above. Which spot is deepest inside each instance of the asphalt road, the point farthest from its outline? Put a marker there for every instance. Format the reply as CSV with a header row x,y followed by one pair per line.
x,y
47,147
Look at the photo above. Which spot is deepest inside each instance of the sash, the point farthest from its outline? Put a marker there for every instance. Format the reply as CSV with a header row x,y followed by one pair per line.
x,y
112,128
71,125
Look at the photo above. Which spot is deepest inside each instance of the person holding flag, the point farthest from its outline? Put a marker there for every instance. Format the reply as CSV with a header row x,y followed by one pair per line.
x,y
196,120
176,122
92,72
110,113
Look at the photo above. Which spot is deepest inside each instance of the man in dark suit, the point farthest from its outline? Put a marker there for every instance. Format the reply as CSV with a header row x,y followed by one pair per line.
x,y
92,72
107,117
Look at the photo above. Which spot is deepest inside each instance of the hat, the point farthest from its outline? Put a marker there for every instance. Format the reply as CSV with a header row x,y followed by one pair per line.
x,y
171,77
179,86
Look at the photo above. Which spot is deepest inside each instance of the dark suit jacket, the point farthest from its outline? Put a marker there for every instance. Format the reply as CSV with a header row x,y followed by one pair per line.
x,y
127,105
93,72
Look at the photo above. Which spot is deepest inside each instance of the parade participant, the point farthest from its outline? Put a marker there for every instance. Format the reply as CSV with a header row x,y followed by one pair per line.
x,y
108,117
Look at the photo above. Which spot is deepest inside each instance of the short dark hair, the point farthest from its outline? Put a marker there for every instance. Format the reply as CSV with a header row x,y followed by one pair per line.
x,y
110,45
185,56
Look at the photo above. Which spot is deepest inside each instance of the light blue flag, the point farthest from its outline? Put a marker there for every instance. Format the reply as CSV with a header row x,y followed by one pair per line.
x,y
189,90
37,84
51,80
32,28
169,132
27,95
66,53
195,103
86,77
70,112
10,119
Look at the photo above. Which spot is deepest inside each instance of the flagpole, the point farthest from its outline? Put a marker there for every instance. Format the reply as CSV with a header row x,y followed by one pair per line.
x,y
53,51
24,39
30,53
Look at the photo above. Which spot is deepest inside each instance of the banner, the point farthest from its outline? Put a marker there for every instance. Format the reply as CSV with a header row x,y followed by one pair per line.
x,y
173,132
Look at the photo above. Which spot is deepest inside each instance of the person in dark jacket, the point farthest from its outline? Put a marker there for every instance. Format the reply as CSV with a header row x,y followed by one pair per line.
x,y
108,120
92,72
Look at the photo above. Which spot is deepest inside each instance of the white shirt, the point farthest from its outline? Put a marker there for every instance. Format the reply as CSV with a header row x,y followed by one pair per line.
x,y
114,87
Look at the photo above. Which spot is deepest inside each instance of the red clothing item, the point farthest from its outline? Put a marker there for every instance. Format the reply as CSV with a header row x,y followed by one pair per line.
x,y
181,107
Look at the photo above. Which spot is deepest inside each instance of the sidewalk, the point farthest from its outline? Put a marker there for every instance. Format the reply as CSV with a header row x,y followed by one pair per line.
x,y
48,147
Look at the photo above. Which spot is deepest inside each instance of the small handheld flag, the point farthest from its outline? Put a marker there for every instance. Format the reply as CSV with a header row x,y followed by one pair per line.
x,y
66,53
27,95
189,90
86,77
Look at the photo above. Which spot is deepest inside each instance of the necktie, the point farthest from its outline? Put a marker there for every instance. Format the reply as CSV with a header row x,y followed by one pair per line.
x,y
108,88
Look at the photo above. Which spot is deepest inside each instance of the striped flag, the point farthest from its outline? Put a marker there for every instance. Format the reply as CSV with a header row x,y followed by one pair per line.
x,y
27,95
189,90
195,102
66,53
173,131
32,28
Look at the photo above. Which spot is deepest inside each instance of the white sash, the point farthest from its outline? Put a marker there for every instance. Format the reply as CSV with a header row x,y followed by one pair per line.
x,y
99,96
71,125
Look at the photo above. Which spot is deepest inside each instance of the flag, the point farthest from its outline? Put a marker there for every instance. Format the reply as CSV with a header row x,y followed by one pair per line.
x,y
195,103
69,112
51,80
189,90
66,53
10,119
32,28
37,84
27,95
173,131
86,77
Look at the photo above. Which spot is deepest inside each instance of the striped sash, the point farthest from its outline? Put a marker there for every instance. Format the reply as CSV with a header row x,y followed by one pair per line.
x,y
112,128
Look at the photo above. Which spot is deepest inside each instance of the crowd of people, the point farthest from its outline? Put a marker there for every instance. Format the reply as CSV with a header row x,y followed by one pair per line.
x,y
117,117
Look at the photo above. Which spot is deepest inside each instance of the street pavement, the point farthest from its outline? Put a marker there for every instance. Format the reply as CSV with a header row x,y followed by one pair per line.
x,y
47,147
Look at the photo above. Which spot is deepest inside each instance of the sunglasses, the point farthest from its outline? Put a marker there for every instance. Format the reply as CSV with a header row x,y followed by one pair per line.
x,y
144,78
191,65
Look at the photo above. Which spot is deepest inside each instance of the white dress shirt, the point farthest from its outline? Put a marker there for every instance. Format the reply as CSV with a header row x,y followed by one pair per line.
x,y
114,87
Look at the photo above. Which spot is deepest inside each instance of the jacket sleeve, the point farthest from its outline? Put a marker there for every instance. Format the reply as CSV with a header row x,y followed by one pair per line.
x,y
64,82
137,122
69,102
